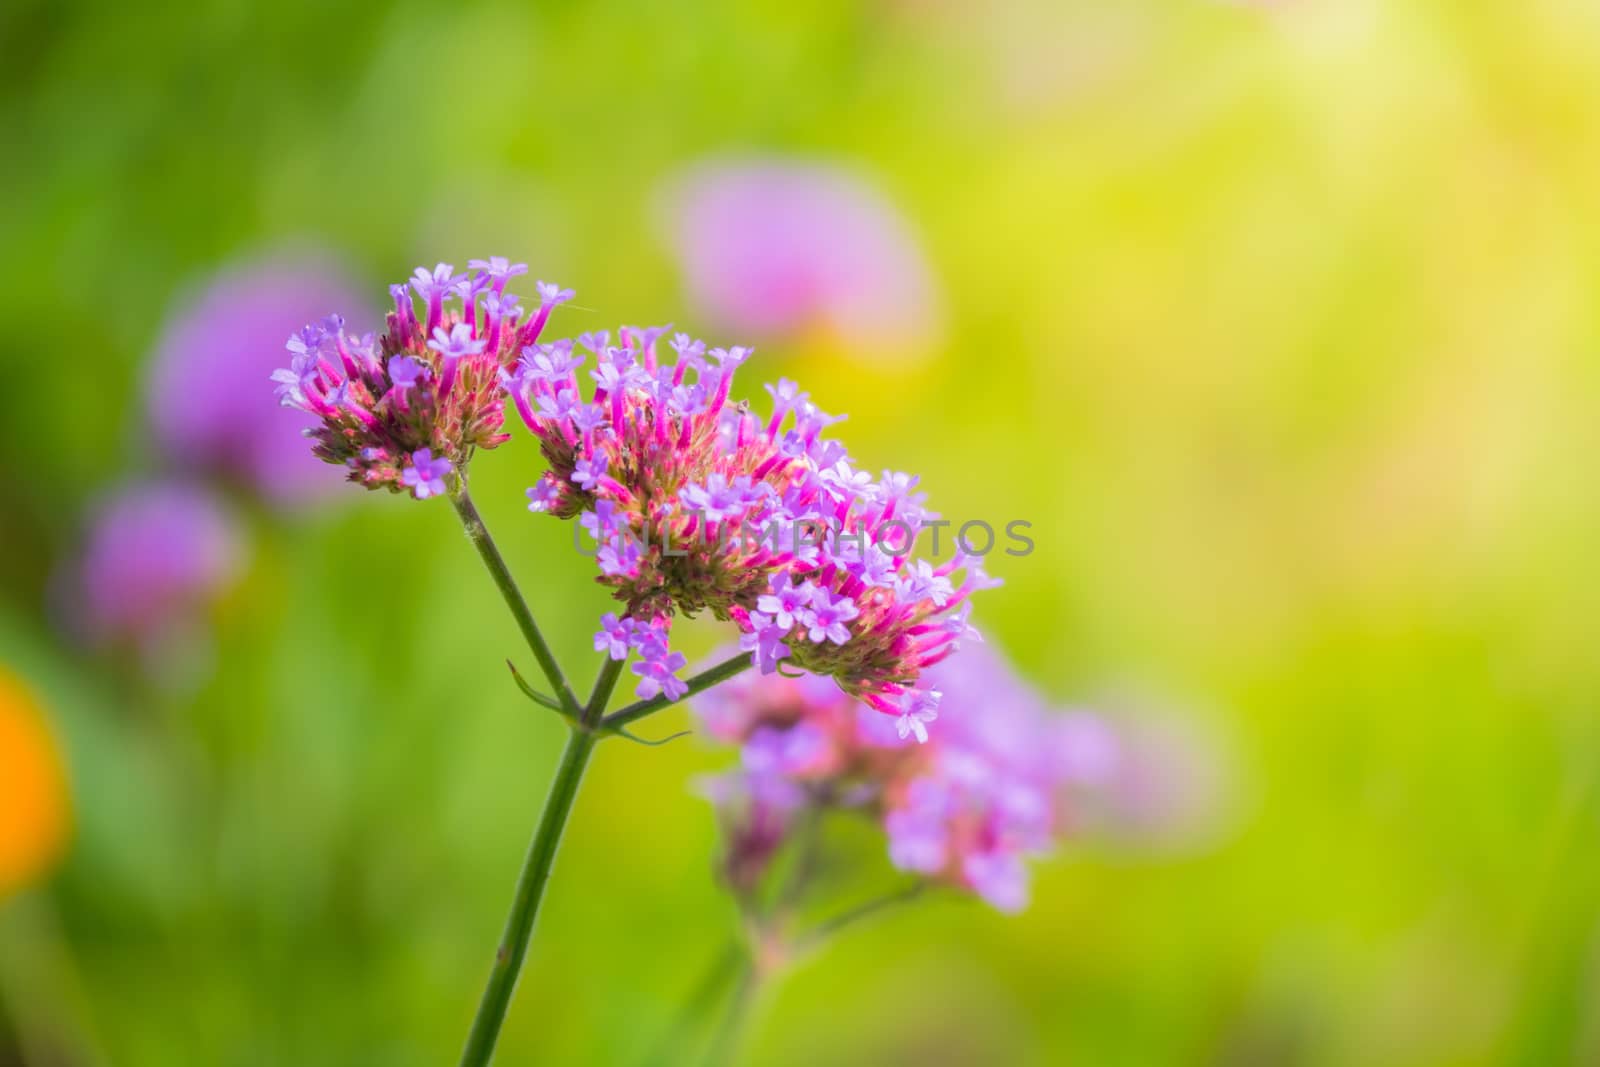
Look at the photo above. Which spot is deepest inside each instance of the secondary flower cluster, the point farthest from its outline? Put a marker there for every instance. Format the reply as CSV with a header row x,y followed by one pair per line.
x,y
403,410
1001,780
698,504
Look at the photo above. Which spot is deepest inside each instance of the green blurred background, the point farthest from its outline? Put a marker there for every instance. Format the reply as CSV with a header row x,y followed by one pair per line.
x,y
1277,322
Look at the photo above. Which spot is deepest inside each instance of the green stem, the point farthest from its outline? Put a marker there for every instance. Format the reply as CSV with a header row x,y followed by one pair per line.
x,y
581,740
823,930
702,681
525,906
725,1039
668,1051
600,696
587,724
478,534
750,975
807,851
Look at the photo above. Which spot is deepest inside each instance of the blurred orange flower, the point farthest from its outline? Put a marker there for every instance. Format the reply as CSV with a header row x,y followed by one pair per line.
x,y
34,806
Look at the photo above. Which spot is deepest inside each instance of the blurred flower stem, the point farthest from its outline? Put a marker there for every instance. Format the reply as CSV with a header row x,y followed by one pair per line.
x,y
756,961
760,964
41,992
668,1051
850,916
725,1038
587,724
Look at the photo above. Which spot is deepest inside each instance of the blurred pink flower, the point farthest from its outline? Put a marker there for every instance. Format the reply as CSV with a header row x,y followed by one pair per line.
x,y
210,409
772,247
154,556
1002,779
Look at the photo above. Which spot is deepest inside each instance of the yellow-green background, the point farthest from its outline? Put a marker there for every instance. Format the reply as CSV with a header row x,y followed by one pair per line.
x,y
1277,321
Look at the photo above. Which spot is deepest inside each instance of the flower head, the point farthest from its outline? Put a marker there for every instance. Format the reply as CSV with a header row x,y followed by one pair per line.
x,y
433,383
763,521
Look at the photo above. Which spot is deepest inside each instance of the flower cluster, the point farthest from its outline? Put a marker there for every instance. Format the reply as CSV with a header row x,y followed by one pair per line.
x,y
657,666
403,410
696,503
1001,780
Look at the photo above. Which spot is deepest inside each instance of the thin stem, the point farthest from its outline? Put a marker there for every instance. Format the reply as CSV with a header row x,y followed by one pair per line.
x,y
587,724
525,906
828,927
725,1039
604,684
702,681
754,973
807,852
668,1050
478,533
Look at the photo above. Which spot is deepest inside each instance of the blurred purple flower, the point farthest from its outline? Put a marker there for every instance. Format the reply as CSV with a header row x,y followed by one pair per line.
x,y
154,556
207,409
772,248
1002,780
964,805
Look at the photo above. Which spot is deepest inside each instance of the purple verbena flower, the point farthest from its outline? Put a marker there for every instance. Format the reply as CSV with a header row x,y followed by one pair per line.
x,y
825,619
439,384
615,636
658,673
918,709
544,496
498,270
1001,781
619,558
765,640
406,373
588,472
563,404
550,293
551,362
787,601
425,477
